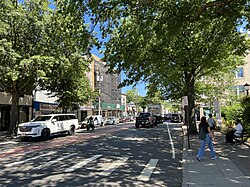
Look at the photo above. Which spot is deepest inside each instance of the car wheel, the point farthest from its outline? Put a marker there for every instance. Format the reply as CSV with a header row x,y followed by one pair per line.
x,y
23,139
72,130
45,134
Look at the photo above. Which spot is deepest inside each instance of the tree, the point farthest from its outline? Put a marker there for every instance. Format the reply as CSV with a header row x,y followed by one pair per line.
x,y
34,52
70,42
21,54
171,44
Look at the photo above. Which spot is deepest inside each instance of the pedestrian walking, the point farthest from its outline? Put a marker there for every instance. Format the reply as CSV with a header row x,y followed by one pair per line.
x,y
207,140
212,125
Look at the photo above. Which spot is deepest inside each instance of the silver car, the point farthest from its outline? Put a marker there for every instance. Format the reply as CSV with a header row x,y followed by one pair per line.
x,y
111,121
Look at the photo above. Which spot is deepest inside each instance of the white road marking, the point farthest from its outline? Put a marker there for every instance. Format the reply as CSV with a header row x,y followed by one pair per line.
x,y
33,158
171,142
110,168
8,143
148,170
80,164
55,161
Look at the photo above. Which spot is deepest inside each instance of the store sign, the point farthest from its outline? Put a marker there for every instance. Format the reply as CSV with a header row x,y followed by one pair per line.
x,y
45,106
87,107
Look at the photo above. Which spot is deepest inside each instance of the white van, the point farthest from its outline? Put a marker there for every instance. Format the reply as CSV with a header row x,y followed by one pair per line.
x,y
98,120
45,125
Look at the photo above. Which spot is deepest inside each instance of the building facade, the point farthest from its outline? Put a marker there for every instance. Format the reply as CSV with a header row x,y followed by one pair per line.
x,y
109,102
25,110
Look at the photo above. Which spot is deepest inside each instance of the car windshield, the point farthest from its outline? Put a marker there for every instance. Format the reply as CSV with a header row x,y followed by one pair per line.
x,y
144,114
42,118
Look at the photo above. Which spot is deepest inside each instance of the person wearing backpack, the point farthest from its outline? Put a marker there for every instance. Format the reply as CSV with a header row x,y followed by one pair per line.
x,y
212,125
204,136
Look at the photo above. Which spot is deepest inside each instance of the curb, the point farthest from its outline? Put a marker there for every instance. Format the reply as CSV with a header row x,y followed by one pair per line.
x,y
184,159
184,163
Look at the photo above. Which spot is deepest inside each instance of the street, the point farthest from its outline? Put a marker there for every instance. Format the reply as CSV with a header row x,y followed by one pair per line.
x,y
118,155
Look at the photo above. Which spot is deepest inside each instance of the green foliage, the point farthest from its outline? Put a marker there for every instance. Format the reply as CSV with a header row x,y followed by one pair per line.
x,y
232,113
44,47
132,95
170,44
245,103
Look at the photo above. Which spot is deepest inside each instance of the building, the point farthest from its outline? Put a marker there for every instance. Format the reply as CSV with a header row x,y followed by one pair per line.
x,y
242,76
25,109
109,102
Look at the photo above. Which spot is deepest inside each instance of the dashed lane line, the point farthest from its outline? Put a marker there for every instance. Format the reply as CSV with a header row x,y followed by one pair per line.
x,y
148,170
27,160
80,164
55,161
109,169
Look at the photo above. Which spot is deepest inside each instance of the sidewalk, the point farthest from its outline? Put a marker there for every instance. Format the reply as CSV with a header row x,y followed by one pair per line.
x,y
230,169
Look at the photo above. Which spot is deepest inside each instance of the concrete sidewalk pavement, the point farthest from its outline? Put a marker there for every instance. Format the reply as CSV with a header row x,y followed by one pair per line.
x,y
231,168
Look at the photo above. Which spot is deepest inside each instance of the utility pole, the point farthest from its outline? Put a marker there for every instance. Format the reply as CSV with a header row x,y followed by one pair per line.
x,y
99,80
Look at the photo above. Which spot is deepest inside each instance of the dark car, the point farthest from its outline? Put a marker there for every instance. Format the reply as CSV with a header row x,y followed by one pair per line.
x,y
175,118
145,119
167,117
158,119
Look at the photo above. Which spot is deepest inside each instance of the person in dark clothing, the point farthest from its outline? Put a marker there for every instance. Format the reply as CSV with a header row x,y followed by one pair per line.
x,y
90,123
207,140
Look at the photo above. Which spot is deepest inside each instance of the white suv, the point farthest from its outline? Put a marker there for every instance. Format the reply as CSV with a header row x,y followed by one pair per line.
x,y
45,125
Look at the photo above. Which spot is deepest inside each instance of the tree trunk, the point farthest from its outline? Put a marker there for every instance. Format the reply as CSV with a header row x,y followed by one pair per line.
x,y
14,114
190,82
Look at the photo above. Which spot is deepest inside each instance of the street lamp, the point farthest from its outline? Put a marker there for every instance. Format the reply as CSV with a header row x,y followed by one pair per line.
x,y
247,87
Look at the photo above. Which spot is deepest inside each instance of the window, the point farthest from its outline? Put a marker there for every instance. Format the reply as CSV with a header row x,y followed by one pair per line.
x,y
71,116
239,72
238,89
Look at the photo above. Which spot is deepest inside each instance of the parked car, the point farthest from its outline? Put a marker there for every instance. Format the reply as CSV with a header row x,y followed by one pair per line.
x,y
45,125
98,120
122,119
158,119
111,121
167,117
145,119
175,117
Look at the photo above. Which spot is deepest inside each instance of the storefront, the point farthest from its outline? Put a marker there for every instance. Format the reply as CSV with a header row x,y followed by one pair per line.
x,y
109,109
40,108
25,110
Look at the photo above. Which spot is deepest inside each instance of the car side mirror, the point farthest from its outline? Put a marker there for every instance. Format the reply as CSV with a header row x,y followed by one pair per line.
x,y
54,120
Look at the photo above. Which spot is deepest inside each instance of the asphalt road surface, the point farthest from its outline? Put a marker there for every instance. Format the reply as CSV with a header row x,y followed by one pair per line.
x,y
118,155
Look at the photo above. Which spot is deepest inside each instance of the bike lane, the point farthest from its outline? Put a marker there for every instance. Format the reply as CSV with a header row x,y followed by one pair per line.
x,y
54,143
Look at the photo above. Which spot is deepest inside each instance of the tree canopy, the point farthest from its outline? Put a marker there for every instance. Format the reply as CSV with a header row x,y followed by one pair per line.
x,y
170,44
43,46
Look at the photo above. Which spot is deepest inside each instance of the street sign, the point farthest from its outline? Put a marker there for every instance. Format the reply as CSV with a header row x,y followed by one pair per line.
x,y
185,101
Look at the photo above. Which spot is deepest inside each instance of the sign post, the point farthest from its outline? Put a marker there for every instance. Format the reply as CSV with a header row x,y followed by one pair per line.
x,y
185,105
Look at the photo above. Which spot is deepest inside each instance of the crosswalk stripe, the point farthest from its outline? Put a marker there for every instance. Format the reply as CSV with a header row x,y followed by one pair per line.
x,y
26,160
80,164
109,169
56,160
148,170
